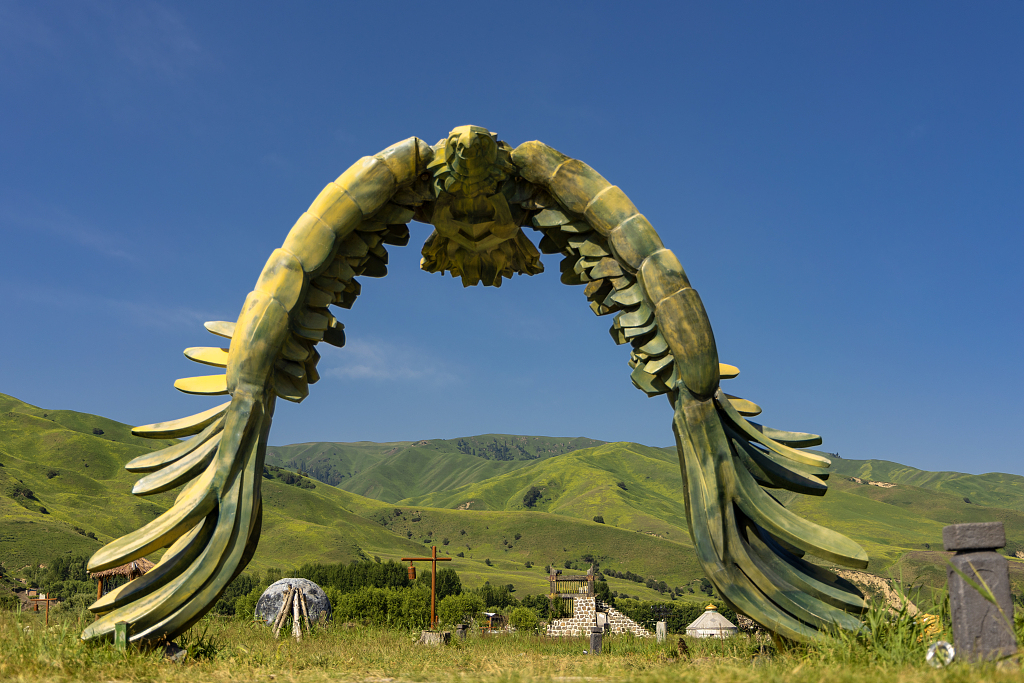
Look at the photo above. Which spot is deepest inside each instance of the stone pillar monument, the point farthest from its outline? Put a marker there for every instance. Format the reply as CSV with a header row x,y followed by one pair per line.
x,y
982,630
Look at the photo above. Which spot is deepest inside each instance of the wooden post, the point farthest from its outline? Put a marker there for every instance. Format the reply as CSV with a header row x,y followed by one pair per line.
x,y
433,585
433,560
283,612
121,636
305,611
296,621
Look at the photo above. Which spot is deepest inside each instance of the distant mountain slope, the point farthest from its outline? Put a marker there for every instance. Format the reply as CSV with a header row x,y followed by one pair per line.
x,y
60,482
995,489
585,484
405,469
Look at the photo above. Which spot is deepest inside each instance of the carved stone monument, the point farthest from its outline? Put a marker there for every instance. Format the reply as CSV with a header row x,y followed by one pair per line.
x,y
982,619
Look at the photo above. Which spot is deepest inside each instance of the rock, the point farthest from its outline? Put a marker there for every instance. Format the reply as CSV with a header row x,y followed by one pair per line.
x,y
596,636
174,653
975,536
317,604
435,637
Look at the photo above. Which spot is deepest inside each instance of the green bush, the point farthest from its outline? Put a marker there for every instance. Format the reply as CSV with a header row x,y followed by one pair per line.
x,y
245,605
407,608
9,601
524,619
459,609
540,604
447,582
497,597
355,575
242,585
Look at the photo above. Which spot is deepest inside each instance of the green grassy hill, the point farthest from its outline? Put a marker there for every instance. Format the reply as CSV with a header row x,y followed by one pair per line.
x,y
63,489
995,489
404,469
631,486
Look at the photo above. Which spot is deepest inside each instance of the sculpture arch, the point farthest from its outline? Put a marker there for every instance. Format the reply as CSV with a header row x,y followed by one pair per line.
x,y
479,194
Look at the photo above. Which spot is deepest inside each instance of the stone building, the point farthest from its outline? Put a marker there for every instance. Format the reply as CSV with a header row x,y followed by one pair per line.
x,y
575,595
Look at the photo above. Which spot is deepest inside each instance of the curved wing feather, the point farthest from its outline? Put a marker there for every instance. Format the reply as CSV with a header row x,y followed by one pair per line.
x,y
213,527
745,539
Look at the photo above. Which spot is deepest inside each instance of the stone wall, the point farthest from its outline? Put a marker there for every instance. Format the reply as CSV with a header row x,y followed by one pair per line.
x,y
620,623
584,618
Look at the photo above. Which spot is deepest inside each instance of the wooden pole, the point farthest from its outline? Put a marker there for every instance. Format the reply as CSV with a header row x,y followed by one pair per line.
x,y
282,613
433,560
305,612
433,586
296,621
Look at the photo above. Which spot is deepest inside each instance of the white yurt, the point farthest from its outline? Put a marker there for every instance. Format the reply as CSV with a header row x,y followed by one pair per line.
x,y
711,624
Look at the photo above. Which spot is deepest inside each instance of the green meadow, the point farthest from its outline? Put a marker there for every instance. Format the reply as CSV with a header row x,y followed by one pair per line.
x,y
501,506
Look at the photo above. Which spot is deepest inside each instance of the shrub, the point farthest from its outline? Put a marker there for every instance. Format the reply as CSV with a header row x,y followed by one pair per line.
x,y
356,575
245,605
9,601
459,609
599,519
540,604
524,619
407,608
621,485
518,536
488,562
242,585
497,597
447,582
531,497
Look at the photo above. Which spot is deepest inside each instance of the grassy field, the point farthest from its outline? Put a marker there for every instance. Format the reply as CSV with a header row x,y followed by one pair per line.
x,y
404,469
79,497
222,650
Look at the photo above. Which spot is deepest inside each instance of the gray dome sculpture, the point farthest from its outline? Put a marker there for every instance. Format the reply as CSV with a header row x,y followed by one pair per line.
x,y
317,603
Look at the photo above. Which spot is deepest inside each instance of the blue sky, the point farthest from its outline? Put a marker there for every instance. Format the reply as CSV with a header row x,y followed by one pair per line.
x,y
842,182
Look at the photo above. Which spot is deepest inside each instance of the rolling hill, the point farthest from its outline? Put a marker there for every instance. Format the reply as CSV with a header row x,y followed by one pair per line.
x,y
499,501
403,469
64,490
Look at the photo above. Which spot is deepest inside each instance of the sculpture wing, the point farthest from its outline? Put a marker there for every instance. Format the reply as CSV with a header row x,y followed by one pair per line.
x,y
212,529
749,545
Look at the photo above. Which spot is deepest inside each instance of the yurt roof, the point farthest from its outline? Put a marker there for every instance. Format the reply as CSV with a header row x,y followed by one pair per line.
x,y
711,620
135,568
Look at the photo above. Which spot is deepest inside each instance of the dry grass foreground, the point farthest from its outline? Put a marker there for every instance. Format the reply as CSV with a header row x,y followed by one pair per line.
x,y
223,650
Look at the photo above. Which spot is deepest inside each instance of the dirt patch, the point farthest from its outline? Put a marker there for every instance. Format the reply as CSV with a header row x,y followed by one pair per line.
x,y
876,586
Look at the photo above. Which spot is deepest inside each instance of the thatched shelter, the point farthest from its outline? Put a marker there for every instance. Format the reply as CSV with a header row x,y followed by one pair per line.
x,y
109,579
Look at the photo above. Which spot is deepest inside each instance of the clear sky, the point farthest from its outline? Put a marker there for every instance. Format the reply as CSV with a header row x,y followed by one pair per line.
x,y
844,183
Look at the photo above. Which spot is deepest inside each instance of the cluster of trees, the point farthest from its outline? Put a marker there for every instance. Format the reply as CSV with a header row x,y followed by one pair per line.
x,y
287,477
533,494
496,451
66,579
